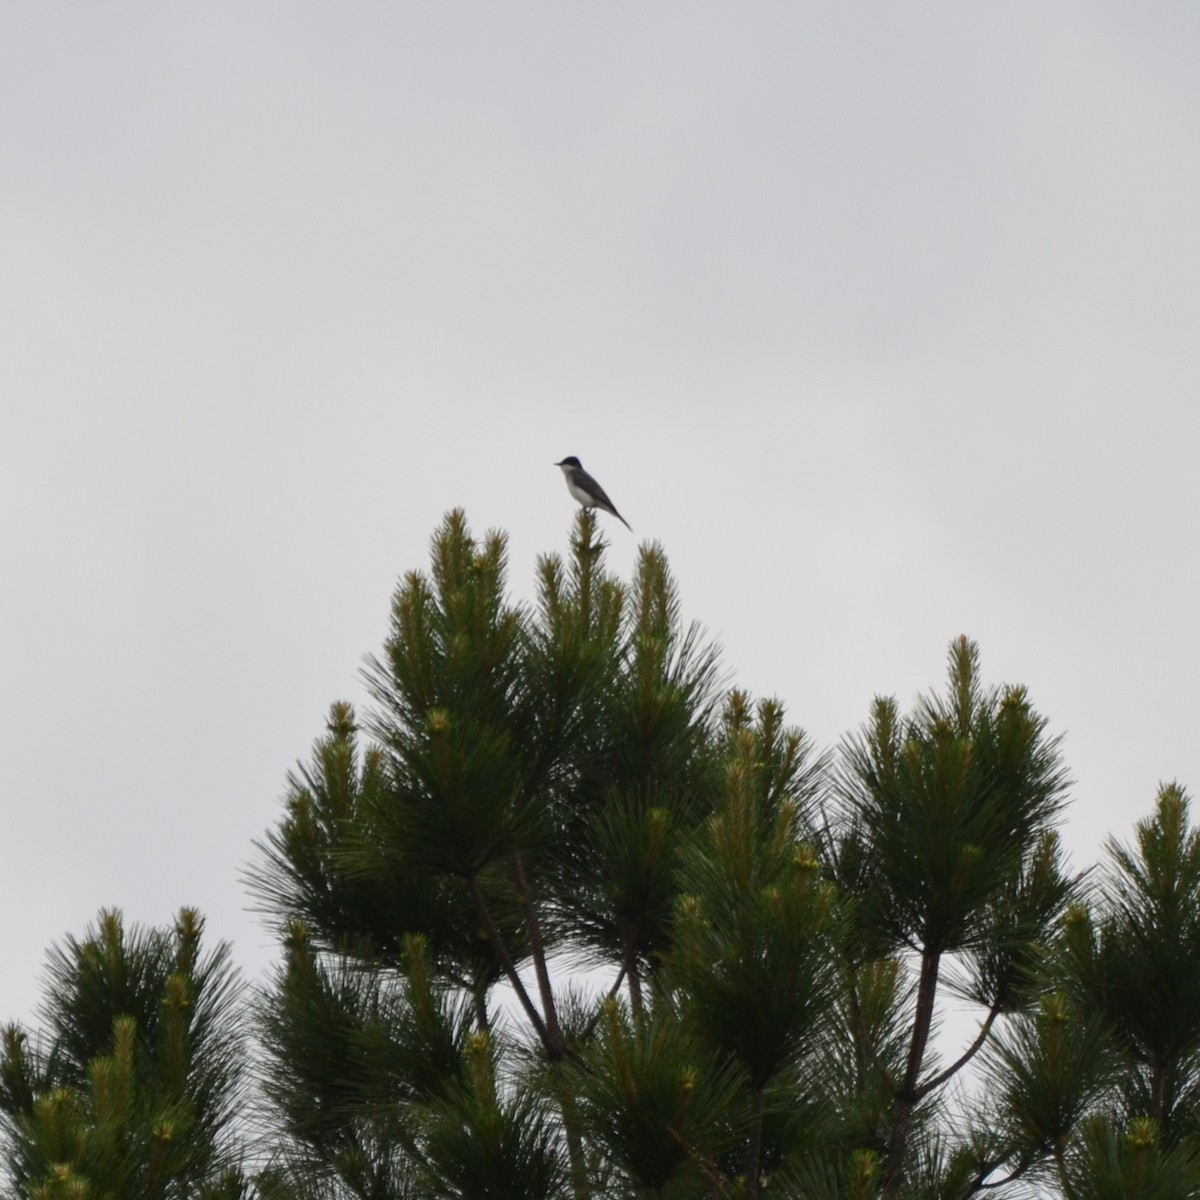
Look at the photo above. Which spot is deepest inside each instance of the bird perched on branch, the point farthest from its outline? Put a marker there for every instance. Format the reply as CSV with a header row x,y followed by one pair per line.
x,y
586,490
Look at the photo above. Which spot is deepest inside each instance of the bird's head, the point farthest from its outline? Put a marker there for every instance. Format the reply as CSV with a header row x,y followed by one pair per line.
x,y
569,462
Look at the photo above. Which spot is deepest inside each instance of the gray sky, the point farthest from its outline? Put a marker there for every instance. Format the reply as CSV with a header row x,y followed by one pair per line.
x,y
884,319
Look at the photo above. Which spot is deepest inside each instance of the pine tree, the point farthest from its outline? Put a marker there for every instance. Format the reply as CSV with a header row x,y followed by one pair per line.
x,y
132,1086
756,938
532,778
1134,961
562,785
772,935
1094,1094
944,839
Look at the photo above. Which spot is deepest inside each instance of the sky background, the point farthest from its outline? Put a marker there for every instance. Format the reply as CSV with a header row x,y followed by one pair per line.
x,y
884,319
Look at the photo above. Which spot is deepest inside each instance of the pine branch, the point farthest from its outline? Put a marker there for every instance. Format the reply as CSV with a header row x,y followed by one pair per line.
x,y
983,1184
554,1038
506,962
968,1054
590,1027
907,1096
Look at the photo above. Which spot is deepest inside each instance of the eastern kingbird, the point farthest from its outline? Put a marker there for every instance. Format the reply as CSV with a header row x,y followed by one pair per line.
x,y
586,490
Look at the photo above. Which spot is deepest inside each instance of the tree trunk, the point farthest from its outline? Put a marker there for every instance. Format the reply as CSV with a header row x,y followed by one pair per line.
x,y
907,1093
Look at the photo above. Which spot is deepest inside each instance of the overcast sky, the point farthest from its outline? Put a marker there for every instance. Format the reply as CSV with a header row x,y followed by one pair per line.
x,y
883,318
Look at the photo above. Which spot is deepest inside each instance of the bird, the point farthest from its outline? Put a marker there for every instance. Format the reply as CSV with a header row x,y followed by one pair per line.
x,y
586,490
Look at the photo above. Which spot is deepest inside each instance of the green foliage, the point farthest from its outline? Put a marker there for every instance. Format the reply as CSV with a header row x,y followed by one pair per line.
x,y
481,1143
1135,962
1107,1162
754,964
663,1106
650,775
334,868
773,934
1097,1090
534,777
388,1090
951,804
132,1086
565,782
349,1048
466,759
1049,1070
945,835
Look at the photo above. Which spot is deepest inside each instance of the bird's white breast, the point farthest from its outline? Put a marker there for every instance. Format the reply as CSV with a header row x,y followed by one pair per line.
x,y
580,496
